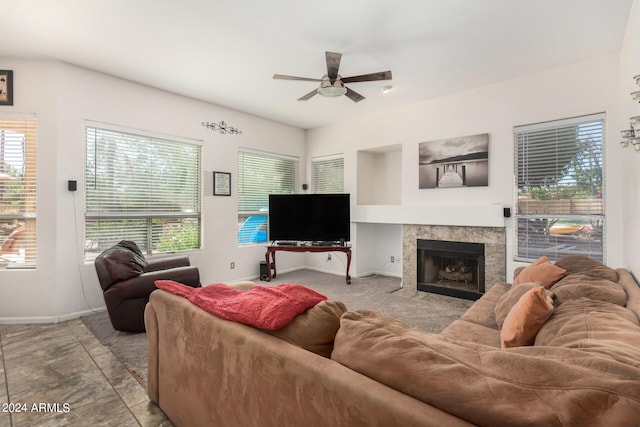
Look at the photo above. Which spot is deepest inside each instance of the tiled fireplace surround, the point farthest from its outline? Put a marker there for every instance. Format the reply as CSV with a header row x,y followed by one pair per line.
x,y
494,239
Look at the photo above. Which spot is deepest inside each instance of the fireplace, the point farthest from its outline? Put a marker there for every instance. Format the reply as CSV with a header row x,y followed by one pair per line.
x,y
451,268
493,239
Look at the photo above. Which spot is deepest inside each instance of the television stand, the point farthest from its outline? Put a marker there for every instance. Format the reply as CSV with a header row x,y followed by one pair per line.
x,y
272,249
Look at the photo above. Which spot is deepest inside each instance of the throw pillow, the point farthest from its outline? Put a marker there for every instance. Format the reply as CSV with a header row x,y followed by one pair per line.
x,y
509,299
541,271
525,319
540,260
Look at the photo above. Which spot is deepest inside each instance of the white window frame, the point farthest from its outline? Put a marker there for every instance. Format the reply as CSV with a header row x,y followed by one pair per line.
x,y
160,208
256,180
18,146
555,216
327,174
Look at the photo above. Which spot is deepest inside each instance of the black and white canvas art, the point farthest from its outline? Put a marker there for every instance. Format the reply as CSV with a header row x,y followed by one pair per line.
x,y
454,162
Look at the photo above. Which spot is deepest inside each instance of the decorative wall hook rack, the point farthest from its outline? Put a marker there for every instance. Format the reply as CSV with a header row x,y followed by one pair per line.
x,y
632,135
223,128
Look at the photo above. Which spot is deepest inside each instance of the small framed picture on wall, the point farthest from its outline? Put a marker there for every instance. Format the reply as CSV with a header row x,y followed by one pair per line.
x,y
221,184
6,87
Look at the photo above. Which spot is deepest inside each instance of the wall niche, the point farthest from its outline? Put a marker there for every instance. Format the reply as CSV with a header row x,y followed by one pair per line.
x,y
380,175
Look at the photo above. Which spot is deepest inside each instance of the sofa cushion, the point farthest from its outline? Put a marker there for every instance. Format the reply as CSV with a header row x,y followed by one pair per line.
x,y
509,299
481,312
526,317
315,329
583,285
490,386
583,322
478,323
583,264
631,288
463,330
541,271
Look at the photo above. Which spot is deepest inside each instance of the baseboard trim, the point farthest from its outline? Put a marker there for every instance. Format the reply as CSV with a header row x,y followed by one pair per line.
x,y
49,319
376,273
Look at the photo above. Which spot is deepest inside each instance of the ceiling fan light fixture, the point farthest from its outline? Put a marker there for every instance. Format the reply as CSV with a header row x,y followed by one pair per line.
x,y
386,89
332,91
332,83
328,89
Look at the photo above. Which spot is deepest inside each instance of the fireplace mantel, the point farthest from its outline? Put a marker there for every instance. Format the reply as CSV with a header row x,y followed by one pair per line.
x,y
490,215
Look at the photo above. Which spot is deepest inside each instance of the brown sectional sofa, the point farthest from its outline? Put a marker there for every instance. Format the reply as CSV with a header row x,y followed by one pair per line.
x,y
583,369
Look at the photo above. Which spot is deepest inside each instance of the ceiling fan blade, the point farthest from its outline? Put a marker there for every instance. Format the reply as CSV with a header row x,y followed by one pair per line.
x,y
309,95
382,75
333,64
353,95
306,79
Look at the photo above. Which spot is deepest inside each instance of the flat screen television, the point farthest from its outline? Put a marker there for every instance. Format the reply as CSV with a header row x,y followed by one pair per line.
x,y
309,217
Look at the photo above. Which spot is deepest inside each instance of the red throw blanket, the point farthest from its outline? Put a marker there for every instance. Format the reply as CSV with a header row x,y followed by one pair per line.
x,y
265,307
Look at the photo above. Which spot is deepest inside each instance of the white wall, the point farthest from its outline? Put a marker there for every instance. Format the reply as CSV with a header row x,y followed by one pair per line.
x,y
575,90
630,67
377,243
62,97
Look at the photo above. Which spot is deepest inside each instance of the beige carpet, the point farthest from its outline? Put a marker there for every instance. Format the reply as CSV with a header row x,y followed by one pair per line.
x,y
430,312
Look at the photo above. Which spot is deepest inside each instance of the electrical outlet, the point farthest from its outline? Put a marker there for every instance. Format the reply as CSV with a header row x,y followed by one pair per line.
x,y
328,257
233,265
393,259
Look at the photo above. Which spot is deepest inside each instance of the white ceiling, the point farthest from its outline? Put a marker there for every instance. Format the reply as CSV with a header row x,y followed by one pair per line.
x,y
226,51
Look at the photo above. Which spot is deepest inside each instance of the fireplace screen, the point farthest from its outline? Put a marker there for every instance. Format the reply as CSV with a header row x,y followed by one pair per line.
x,y
451,268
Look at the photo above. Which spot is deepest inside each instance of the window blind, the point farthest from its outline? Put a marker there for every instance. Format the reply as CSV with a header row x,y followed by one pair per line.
x,y
141,188
327,175
261,174
560,191
18,192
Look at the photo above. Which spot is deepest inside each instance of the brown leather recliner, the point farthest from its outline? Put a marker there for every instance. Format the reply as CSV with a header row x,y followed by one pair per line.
x,y
127,279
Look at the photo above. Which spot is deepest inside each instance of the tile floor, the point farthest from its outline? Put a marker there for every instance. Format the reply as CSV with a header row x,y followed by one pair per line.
x,y
60,375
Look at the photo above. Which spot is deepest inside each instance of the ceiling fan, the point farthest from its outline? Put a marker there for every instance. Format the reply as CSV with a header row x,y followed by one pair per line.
x,y
332,83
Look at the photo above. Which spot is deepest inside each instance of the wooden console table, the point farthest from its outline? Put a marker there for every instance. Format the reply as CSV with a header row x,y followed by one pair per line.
x,y
272,249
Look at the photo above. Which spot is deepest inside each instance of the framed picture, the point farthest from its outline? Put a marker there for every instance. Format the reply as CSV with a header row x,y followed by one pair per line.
x,y
6,87
221,184
454,162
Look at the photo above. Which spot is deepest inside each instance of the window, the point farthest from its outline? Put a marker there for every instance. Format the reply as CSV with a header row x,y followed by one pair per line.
x,y
143,188
327,175
559,177
261,174
18,192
